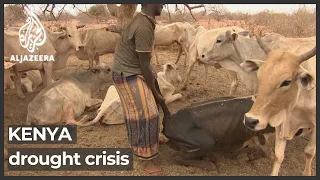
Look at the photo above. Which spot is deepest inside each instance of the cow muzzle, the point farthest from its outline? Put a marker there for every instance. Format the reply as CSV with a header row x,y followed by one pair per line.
x,y
250,122
81,47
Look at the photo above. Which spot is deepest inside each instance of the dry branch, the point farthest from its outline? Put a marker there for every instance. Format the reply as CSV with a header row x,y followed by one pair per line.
x,y
194,7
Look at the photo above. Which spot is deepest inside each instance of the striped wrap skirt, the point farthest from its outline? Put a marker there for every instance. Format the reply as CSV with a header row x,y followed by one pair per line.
x,y
140,114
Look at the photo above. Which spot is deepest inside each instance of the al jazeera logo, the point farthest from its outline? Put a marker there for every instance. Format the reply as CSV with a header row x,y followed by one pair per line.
x,y
32,36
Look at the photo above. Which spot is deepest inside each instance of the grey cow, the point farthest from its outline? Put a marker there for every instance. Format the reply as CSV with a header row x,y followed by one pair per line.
x,y
67,98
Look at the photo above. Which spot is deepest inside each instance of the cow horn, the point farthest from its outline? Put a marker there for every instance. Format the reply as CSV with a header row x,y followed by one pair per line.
x,y
263,46
307,55
228,35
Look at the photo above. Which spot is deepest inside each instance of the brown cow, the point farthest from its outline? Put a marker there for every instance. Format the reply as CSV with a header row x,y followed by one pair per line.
x,y
286,99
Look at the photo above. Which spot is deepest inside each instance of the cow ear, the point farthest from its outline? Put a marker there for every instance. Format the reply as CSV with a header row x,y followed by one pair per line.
x,y
231,36
307,80
234,36
251,64
64,35
244,33
169,66
8,65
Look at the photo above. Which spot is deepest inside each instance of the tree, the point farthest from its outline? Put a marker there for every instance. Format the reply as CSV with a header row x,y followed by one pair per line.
x,y
217,11
99,11
13,14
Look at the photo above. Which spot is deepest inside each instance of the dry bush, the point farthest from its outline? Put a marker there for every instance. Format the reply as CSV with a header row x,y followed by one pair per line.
x,y
63,16
217,11
84,18
301,23
13,14
99,12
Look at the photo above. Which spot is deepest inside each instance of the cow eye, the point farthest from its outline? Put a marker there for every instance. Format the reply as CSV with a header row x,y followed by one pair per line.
x,y
218,41
285,83
69,35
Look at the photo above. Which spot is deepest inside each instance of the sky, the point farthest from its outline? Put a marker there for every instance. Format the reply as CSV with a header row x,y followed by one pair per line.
x,y
246,8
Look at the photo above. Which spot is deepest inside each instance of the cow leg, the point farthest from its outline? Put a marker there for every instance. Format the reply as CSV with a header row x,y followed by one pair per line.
x,y
90,64
91,58
28,84
193,60
265,147
173,98
156,54
191,64
179,54
93,104
280,146
97,59
17,84
185,50
48,73
234,81
42,73
310,151
153,53
69,116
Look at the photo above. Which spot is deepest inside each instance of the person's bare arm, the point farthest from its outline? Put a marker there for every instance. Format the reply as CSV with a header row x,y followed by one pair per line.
x,y
145,58
144,41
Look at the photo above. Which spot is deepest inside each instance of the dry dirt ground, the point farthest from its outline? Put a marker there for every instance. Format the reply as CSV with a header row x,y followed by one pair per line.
x,y
103,136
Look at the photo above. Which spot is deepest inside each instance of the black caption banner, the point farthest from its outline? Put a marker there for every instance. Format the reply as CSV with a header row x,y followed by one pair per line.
x,y
72,159
42,134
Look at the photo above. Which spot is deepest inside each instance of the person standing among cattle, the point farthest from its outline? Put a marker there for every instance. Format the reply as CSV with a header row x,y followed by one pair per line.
x,y
135,83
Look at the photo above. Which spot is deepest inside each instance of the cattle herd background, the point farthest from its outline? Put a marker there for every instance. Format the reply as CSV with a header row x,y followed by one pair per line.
x,y
301,23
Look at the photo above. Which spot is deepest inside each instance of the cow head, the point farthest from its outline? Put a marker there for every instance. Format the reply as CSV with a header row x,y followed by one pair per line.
x,y
222,47
102,71
281,77
171,73
73,36
8,65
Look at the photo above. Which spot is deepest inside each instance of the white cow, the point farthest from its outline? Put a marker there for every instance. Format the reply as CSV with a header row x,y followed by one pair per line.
x,y
60,45
165,35
203,43
111,112
32,80
189,34
230,50
167,78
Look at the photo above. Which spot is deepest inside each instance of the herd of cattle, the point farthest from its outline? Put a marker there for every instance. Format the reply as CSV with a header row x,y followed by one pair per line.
x,y
283,91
